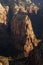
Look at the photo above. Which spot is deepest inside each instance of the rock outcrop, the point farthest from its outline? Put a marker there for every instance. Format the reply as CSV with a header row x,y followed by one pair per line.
x,y
3,14
3,25
22,33
36,55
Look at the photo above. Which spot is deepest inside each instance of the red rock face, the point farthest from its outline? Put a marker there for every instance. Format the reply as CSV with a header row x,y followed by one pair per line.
x,y
23,34
18,26
18,30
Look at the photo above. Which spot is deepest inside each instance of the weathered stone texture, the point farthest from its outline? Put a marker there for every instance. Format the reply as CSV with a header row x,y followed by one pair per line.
x,y
3,14
22,32
3,24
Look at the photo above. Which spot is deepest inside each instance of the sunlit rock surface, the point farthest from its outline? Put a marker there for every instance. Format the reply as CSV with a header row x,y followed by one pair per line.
x,y
22,33
36,55
22,37
3,14
3,24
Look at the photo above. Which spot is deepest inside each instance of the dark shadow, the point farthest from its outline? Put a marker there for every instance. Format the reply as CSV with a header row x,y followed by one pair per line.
x,y
36,55
4,37
37,23
7,45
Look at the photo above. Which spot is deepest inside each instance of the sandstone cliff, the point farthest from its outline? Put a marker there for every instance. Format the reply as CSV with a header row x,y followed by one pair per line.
x,y
3,25
22,32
